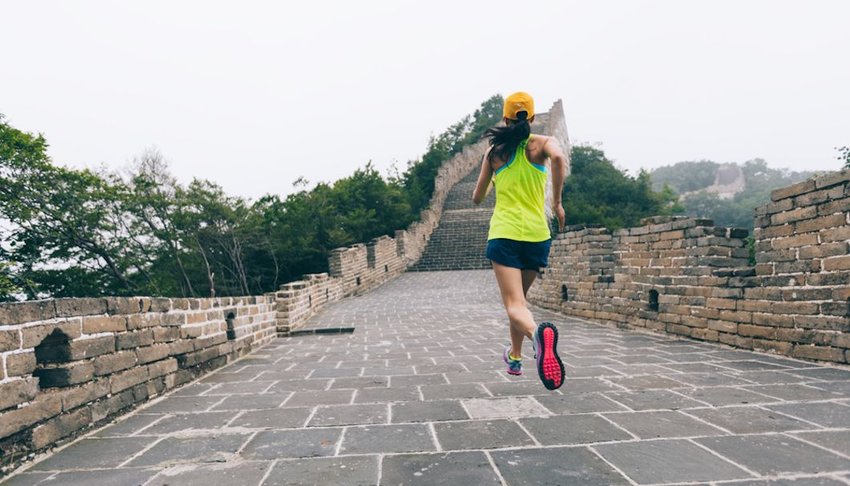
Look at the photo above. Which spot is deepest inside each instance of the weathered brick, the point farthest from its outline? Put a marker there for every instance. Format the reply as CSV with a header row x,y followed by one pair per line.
x,y
65,374
110,363
757,331
23,312
131,340
728,304
797,214
16,392
793,190
10,340
832,179
823,251
166,334
89,348
15,420
99,324
20,364
836,263
149,354
123,305
723,326
143,321
75,396
795,241
800,266
821,353
160,305
803,308
163,367
805,294
822,222
125,379
835,234
33,335
832,207
60,427
777,346
74,307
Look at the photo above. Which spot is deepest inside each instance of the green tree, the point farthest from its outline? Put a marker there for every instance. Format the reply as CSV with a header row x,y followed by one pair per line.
x,y
420,175
844,156
685,176
60,218
596,192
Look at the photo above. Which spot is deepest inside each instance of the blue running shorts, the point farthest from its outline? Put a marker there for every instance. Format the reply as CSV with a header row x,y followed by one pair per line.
x,y
524,255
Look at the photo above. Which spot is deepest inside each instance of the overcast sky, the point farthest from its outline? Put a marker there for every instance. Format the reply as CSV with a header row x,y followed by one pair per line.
x,y
253,95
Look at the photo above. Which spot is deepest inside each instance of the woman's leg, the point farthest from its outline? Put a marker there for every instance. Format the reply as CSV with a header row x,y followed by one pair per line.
x,y
512,287
528,277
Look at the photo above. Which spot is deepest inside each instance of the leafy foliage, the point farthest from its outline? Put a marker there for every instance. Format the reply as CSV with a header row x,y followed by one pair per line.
x,y
596,192
737,211
418,180
75,233
685,176
844,156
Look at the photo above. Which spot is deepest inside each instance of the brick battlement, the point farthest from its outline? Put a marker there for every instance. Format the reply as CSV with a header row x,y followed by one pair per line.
x,y
685,276
68,363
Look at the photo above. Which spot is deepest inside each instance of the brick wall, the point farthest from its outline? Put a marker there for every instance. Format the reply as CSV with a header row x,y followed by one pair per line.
x,y
685,276
66,364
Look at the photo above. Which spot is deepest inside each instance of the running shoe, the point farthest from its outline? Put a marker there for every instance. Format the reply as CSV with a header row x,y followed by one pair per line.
x,y
514,365
549,365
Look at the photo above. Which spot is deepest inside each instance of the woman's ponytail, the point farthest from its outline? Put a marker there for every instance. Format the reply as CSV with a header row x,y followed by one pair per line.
x,y
506,139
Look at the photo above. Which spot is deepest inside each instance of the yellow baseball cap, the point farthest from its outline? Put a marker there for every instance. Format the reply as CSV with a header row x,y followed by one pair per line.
x,y
517,102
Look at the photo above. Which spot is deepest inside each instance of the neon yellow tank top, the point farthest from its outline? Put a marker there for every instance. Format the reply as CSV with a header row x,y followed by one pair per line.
x,y
520,200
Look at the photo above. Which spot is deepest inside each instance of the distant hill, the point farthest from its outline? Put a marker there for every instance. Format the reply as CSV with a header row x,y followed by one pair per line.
x,y
726,193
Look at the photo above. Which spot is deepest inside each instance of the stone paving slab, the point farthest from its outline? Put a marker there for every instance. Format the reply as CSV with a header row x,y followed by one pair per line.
x,y
418,395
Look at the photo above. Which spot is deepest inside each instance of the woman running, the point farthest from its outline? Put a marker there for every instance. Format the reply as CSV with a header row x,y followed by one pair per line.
x,y
519,238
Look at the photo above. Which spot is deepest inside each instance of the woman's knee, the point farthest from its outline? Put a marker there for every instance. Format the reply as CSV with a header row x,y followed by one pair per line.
x,y
517,312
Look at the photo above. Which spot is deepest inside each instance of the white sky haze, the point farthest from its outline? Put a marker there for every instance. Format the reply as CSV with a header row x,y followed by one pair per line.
x,y
253,95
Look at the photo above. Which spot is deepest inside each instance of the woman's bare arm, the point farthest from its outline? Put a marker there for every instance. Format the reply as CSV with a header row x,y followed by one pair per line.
x,y
484,177
552,149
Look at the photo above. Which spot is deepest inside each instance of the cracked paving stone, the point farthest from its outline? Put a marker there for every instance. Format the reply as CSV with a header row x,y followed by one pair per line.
x,y
568,404
297,443
205,475
573,429
104,476
430,411
354,470
506,407
575,465
838,440
374,439
668,461
94,453
775,454
187,421
663,424
179,450
349,415
748,420
490,434
827,414
457,468
281,418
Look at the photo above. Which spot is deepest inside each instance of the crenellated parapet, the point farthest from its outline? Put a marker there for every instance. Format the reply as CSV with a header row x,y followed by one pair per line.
x,y
66,364
688,277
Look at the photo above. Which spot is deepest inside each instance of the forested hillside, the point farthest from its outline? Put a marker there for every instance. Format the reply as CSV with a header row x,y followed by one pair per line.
x,y
72,233
694,177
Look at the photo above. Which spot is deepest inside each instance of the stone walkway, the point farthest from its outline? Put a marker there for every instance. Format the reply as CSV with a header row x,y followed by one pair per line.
x,y
417,395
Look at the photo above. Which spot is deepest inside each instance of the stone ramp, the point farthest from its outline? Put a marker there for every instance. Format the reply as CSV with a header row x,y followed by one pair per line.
x,y
418,395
